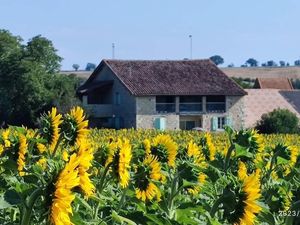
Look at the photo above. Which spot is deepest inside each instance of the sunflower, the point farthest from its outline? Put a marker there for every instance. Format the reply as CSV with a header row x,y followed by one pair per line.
x,y
42,162
164,148
209,147
146,173
119,157
55,122
75,126
41,147
1,149
242,171
196,188
247,206
50,127
5,136
85,156
22,152
63,196
193,149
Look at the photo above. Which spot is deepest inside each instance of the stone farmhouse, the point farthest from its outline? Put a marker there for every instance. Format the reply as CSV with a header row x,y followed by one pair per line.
x,y
162,94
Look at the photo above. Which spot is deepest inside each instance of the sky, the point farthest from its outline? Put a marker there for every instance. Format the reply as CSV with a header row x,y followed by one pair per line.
x,y
83,31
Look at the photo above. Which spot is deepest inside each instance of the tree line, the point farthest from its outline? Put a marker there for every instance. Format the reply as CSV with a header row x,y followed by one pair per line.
x,y
251,62
30,82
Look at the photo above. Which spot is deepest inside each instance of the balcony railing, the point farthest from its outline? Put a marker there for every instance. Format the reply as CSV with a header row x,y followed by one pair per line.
x,y
216,107
165,107
190,107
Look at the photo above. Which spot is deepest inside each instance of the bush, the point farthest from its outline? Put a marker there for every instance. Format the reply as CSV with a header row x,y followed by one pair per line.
x,y
278,121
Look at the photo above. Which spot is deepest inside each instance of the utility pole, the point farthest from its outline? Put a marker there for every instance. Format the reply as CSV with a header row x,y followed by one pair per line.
x,y
191,46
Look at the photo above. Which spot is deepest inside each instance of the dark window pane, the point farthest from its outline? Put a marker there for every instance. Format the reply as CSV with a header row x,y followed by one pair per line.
x,y
216,98
190,125
165,99
190,99
165,107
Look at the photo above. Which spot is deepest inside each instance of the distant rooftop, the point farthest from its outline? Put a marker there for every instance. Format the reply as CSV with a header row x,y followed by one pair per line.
x,y
261,101
290,72
273,83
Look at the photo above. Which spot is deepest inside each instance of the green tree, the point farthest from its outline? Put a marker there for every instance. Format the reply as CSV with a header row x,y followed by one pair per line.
x,y
282,63
42,51
28,79
278,121
297,62
75,67
218,60
90,66
252,62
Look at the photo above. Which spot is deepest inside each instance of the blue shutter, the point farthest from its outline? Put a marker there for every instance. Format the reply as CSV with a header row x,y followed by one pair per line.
x,y
228,121
214,123
160,123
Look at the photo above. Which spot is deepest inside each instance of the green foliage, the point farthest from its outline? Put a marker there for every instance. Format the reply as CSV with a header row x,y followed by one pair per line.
x,y
296,83
278,121
29,83
75,67
90,66
252,62
217,59
244,82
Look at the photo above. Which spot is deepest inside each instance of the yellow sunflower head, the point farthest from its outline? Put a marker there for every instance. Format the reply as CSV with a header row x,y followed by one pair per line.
x,y
146,174
242,170
208,147
50,129
244,207
165,149
85,157
63,196
119,157
75,126
23,145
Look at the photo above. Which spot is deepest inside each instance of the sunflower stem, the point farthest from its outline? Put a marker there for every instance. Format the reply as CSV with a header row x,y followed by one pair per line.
x,y
122,200
272,163
60,138
102,180
172,196
215,206
227,158
27,209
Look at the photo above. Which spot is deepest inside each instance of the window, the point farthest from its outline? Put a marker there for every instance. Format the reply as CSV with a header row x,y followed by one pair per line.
x,y
190,103
165,104
221,122
117,98
189,124
215,103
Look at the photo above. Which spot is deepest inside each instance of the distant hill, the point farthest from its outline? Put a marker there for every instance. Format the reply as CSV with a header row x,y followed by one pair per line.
x,y
84,74
291,72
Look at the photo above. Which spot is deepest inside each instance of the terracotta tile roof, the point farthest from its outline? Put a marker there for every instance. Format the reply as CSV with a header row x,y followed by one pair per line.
x,y
166,77
261,101
273,83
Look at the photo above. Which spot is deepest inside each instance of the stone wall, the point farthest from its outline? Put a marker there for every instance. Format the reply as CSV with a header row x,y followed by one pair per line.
x,y
146,114
235,109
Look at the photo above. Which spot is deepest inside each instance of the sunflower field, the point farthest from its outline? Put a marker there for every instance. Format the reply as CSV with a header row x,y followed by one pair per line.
x,y
64,173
